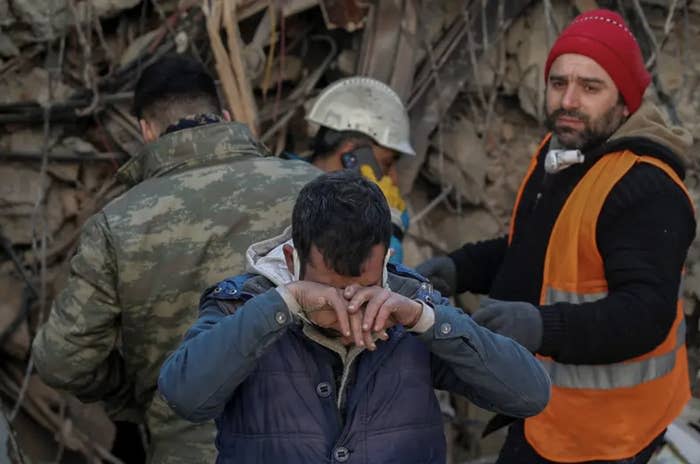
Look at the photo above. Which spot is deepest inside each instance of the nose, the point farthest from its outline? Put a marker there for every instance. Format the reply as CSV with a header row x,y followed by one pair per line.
x,y
570,98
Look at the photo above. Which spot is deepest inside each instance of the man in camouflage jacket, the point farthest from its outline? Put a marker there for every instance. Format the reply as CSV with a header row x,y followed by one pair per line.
x,y
201,192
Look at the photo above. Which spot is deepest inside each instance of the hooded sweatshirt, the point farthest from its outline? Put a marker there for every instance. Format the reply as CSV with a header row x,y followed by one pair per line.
x,y
643,234
247,364
266,259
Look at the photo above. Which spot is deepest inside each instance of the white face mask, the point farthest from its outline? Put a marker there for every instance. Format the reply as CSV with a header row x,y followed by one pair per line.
x,y
557,160
385,272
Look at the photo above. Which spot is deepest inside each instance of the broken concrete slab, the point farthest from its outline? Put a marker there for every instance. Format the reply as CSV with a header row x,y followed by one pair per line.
x,y
32,87
19,190
108,8
464,163
47,18
52,18
67,172
8,49
137,47
529,40
6,16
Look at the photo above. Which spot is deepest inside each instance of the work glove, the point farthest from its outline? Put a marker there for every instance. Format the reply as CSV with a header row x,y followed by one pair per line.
x,y
518,320
441,271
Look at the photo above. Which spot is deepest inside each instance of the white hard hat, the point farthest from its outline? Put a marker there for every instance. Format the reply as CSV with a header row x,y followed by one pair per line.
x,y
364,105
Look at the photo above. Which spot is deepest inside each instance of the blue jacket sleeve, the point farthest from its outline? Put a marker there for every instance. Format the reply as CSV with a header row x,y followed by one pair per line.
x,y
219,352
492,371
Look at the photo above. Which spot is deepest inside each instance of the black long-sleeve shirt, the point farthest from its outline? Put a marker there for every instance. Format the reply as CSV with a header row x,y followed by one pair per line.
x,y
643,234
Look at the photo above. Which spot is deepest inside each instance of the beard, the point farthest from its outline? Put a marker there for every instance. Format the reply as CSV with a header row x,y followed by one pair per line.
x,y
594,132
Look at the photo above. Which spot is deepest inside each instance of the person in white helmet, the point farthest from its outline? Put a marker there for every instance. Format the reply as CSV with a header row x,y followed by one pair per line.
x,y
364,126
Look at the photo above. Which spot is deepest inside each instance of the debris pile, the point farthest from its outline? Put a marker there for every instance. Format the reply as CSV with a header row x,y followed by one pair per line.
x,y
469,71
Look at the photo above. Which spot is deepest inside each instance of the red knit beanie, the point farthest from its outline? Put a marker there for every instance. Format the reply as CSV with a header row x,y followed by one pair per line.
x,y
603,36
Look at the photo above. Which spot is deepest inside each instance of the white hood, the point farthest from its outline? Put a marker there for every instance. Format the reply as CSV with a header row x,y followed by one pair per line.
x,y
267,258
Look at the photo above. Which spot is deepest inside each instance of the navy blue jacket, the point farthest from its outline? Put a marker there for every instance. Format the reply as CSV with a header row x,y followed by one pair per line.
x,y
273,393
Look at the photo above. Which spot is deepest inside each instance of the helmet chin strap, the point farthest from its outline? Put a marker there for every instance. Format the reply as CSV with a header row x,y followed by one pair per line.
x,y
385,271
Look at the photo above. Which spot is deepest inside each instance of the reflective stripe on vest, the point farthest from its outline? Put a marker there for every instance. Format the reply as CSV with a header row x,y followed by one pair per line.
x,y
616,375
554,295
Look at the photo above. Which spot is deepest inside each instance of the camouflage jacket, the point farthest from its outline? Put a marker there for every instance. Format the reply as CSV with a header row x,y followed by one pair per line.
x,y
198,198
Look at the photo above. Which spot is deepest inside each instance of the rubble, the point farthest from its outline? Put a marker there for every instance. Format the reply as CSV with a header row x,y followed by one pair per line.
x,y
33,86
470,73
46,18
463,164
17,342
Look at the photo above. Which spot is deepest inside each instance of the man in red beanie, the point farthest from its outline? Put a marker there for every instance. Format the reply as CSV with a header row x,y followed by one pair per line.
x,y
588,276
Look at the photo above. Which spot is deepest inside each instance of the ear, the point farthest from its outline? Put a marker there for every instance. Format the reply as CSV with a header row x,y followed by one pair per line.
x,y
626,112
148,132
334,162
288,251
227,115
345,147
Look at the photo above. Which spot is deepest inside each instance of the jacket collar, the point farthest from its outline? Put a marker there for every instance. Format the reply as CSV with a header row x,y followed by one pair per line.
x,y
646,132
190,148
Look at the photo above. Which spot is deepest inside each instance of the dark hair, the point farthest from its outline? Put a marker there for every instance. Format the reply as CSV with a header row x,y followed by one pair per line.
x,y
327,141
343,215
174,84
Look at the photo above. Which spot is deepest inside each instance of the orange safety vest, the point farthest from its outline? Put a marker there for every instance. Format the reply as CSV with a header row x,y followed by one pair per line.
x,y
609,411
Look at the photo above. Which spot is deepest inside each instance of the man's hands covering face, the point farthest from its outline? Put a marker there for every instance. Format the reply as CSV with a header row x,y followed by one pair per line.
x,y
357,312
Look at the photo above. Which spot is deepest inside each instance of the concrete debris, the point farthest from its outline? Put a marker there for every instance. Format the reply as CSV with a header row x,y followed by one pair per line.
x,y
6,17
692,5
586,5
389,45
347,62
25,139
8,48
13,318
293,68
48,19
52,18
464,163
19,191
137,47
68,172
80,427
529,40
8,450
32,86
108,8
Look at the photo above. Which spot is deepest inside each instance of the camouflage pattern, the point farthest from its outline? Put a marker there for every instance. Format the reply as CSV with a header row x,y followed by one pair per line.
x,y
200,197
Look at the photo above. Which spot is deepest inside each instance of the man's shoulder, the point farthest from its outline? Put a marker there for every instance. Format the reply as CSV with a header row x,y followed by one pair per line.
x,y
245,186
239,288
643,183
284,170
404,272
407,282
